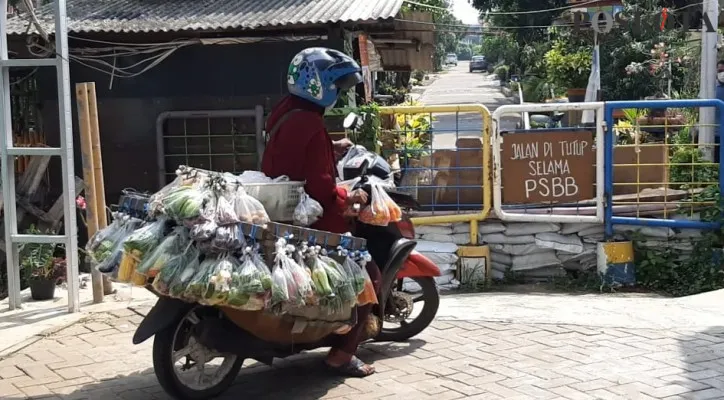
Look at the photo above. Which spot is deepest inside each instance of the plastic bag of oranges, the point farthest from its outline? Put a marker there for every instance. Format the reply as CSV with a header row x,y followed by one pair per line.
x,y
382,209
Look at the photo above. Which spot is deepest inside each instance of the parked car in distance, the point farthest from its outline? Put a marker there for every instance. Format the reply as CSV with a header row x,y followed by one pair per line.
x,y
478,63
451,59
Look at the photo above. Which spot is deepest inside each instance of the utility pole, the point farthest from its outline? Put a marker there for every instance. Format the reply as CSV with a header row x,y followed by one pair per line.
x,y
707,88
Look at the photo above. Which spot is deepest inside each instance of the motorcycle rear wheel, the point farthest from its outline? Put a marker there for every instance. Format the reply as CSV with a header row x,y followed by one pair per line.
x,y
166,348
407,330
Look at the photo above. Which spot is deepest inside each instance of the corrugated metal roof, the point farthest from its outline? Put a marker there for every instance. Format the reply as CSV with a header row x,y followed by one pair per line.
x,y
189,15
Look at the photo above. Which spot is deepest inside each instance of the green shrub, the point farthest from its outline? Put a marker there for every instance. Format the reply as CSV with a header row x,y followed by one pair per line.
x,y
418,74
568,69
502,72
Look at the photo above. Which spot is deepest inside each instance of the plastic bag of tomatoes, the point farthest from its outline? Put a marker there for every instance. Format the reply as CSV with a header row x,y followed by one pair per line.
x,y
382,209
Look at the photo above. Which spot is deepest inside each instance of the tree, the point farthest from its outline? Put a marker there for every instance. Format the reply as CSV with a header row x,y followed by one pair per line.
x,y
448,29
530,26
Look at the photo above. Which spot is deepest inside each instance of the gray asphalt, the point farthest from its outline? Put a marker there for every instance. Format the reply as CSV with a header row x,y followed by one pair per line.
x,y
459,86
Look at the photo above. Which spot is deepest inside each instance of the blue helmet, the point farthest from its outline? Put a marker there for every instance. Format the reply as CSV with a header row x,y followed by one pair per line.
x,y
319,75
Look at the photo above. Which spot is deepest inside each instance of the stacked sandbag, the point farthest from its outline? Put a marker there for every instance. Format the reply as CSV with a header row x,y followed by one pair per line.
x,y
438,243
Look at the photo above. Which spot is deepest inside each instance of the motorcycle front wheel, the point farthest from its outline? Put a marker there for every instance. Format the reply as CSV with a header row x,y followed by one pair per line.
x,y
399,323
188,370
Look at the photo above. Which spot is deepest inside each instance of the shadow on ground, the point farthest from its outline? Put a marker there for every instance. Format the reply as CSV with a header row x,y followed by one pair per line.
x,y
701,354
299,377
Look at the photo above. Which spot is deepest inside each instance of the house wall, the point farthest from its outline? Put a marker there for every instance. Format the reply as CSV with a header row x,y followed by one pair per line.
x,y
193,78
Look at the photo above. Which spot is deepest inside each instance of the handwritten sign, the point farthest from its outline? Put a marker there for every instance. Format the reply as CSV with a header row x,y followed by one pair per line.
x,y
547,167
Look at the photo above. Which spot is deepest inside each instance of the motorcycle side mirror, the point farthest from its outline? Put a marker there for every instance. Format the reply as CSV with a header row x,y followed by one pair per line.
x,y
351,121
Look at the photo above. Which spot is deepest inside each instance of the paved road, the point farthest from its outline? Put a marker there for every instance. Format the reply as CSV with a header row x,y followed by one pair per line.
x,y
458,86
643,347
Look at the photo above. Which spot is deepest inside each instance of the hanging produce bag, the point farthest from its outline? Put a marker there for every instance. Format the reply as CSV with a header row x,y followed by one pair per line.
x,y
308,211
382,209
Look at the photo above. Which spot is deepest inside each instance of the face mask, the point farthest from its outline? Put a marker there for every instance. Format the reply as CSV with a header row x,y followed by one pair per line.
x,y
720,76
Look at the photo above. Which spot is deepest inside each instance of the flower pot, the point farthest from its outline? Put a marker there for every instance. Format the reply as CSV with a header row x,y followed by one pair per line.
x,y
657,112
576,95
42,289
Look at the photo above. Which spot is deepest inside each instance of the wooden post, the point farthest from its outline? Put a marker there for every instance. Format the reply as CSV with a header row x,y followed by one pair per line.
x,y
100,187
84,128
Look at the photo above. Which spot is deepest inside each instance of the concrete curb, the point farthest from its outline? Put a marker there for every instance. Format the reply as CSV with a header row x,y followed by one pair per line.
x,y
508,92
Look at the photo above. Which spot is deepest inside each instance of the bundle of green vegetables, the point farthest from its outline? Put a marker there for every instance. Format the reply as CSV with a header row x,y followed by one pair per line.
x,y
171,246
143,240
172,279
185,202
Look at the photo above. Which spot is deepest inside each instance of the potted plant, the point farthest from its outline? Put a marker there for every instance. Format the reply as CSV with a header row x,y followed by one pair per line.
x,y
569,69
44,271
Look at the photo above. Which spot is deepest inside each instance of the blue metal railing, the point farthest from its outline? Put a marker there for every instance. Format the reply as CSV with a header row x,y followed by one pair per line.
x,y
610,143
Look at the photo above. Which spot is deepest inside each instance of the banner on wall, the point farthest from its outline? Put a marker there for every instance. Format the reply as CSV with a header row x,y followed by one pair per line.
x,y
365,64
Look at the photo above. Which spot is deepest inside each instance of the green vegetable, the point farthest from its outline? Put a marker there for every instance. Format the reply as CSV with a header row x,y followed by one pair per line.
x,y
145,238
183,202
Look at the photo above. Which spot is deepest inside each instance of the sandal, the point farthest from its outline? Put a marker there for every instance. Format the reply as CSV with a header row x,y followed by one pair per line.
x,y
355,368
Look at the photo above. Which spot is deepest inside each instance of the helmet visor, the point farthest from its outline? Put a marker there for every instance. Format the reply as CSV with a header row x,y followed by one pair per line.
x,y
348,81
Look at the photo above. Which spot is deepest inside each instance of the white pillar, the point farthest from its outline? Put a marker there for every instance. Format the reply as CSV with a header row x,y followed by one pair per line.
x,y
707,89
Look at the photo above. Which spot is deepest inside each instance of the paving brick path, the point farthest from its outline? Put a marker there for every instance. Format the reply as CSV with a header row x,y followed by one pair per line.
x,y
451,360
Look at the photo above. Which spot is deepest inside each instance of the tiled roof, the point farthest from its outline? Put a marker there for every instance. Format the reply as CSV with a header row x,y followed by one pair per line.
x,y
190,15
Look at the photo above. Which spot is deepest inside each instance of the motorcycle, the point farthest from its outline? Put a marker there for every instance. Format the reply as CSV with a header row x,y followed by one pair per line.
x,y
201,334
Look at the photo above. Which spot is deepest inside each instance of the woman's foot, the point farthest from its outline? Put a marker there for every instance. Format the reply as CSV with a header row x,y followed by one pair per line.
x,y
348,365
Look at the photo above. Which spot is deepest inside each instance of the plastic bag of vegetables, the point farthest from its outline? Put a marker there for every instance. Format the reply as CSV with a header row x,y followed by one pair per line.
x,y
173,277
249,209
308,211
98,247
146,238
171,246
339,279
185,202
212,282
251,284
228,238
204,230
109,261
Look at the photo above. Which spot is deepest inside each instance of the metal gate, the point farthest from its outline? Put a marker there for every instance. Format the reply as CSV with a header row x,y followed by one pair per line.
x,y
588,211
672,165
219,140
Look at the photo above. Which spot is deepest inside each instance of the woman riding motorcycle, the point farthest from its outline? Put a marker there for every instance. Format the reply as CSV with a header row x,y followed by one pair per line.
x,y
300,147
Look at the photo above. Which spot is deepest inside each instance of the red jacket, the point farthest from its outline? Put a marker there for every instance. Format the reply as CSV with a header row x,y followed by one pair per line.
x,y
302,149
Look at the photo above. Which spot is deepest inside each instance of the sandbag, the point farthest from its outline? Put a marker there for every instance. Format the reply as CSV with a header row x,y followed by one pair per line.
x,y
594,230
574,258
518,249
499,267
437,237
548,272
435,229
530,228
501,258
441,258
534,261
427,246
497,275
593,238
444,268
462,227
499,238
688,233
568,243
490,227
567,229
661,244
649,231
459,238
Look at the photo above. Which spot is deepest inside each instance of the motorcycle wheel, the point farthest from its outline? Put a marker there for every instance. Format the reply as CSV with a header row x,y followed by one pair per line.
x,y
178,342
401,310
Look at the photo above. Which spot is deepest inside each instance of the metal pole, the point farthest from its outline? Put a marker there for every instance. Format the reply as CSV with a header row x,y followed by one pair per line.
x,y
8,168
707,89
65,123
